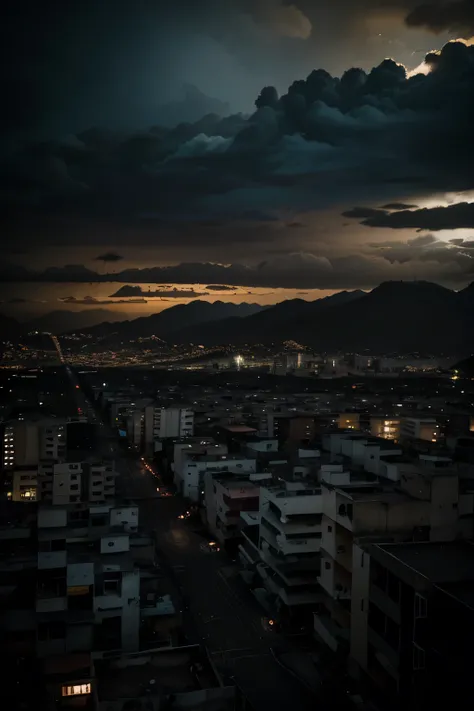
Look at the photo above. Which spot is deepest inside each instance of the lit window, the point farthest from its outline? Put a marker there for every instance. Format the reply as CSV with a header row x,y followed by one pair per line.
x,y
76,690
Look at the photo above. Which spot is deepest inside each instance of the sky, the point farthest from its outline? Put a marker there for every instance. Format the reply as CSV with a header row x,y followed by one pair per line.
x,y
154,151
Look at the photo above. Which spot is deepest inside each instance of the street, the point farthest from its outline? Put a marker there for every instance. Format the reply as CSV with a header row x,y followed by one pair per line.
x,y
227,622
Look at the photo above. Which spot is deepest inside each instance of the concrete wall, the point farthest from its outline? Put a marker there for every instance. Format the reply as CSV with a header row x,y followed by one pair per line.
x,y
359,605
52,518
80,574
444,508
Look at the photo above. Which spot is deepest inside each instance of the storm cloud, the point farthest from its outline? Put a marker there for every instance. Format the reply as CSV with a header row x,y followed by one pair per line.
x,y
324,142
455,16
450,217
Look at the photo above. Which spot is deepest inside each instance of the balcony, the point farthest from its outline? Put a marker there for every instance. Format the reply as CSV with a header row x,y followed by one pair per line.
x,y
288,526
52,559
287,595
49,602
296,546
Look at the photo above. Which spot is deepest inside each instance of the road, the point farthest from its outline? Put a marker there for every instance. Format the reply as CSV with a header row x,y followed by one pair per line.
x,y
228,622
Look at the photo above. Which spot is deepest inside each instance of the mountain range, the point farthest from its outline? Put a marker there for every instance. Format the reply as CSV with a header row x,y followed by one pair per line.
x,y
174,320
401,317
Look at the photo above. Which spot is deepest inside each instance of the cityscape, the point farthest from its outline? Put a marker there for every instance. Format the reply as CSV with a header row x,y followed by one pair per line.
x,y
237,355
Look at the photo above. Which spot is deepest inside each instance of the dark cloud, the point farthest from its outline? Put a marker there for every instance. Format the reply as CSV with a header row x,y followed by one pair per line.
x,y
362,213
456,16
321,141
397,206
128,290
92,301
451,217
109,257
423,255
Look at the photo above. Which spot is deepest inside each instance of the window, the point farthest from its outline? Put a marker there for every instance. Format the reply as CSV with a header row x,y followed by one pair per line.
x,y
418,657
111,587
421,606
51,630
74,487
393,587
58,544
329,529
76,690
99,520
327,565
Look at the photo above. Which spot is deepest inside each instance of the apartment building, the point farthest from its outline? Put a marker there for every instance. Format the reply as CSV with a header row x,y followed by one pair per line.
x,y
416,641
293,429
348,421
226,496
385,427
164,422
365,453
431,502
289,543
26,442
74,481
85,571
83,580
193,462
24,484
420,428
354,512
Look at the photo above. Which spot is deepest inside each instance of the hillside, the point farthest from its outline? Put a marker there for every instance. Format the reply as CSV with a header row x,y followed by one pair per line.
x,y
59,321
170,321
394,317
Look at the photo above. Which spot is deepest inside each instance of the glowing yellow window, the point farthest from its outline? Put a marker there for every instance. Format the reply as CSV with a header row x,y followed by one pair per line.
x,y
76,690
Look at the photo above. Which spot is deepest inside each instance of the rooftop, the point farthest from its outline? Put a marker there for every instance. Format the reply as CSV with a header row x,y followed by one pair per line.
x,y
239,429
171,670
439,562
238,488
361,492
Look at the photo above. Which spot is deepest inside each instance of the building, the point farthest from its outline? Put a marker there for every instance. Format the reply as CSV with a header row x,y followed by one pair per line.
x,y
419,428
354,512
226,496
293,429
289,543
164,422
348,421
24,484
82,579
194,462
415,644
385,427
76,481
26,442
